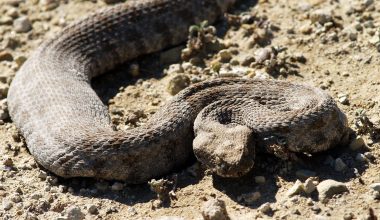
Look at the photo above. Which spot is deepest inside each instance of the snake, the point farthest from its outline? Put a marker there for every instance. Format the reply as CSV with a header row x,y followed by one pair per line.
x,y
221,121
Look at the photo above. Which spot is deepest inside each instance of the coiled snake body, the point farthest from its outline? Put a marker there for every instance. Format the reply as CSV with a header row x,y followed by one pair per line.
x,y
68,129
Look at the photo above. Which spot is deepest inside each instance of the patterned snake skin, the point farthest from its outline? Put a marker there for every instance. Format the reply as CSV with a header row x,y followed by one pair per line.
x,y
69,132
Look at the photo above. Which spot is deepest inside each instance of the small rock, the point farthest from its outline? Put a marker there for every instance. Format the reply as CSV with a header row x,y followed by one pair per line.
x,y
375,186
357,144
321,16
36,196
296,189
75,213
306,29
361,158
304,174
250,197
263,54
48,5
177,83
214,209
101,186
5,56
225,55
22,25
353,36
170,218
265,208
20,60
8,161
4,88
93,210
16,198
343,98
328,188
348,216
309,186
42,175
7,205
117,186
369,156
134,69
339,165
260,179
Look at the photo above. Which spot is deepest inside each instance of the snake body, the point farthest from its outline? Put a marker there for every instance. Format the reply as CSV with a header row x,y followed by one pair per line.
x,y
68,129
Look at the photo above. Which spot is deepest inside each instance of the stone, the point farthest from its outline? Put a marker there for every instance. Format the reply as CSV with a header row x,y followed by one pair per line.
x,y
117,186
361,158
7,161
93,210
177,83
265,208
309,186
296,189
48,5
75,213
328,188
357,144
225,55
7,205
214,209
321,16
260,179
22,25
42,175
375,186
5,56
339,165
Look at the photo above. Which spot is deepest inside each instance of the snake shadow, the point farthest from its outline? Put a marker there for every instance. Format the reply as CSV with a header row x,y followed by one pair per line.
x,y
276,171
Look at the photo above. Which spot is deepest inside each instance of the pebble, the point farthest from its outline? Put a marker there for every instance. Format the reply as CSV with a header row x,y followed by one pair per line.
x,y
36,196
111,1
48,5
93,210
74,213
16,198
353,36
339,165
214,209
357,144
265,208
309,186
8,161
328,188
170,218
296,189
4,88
22,25
7,205
260,179
304,174
225,55
42,175
343,99
369,156
361,158
262,54
177,83
321,16
117,186
249,197
5,56
375,186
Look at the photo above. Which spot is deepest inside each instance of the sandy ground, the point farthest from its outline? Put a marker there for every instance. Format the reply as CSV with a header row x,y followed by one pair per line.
x,y
334,45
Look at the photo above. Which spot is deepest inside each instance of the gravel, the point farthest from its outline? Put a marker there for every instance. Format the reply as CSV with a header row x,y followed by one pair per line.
x,y
22,25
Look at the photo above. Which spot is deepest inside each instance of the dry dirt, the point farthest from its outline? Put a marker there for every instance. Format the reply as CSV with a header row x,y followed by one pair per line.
x,y
334,45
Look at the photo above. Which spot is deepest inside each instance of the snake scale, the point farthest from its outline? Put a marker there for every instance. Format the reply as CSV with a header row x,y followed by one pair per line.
x,y
69,132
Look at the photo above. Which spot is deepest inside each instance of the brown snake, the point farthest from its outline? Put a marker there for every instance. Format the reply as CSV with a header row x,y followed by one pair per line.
x,y
69,132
